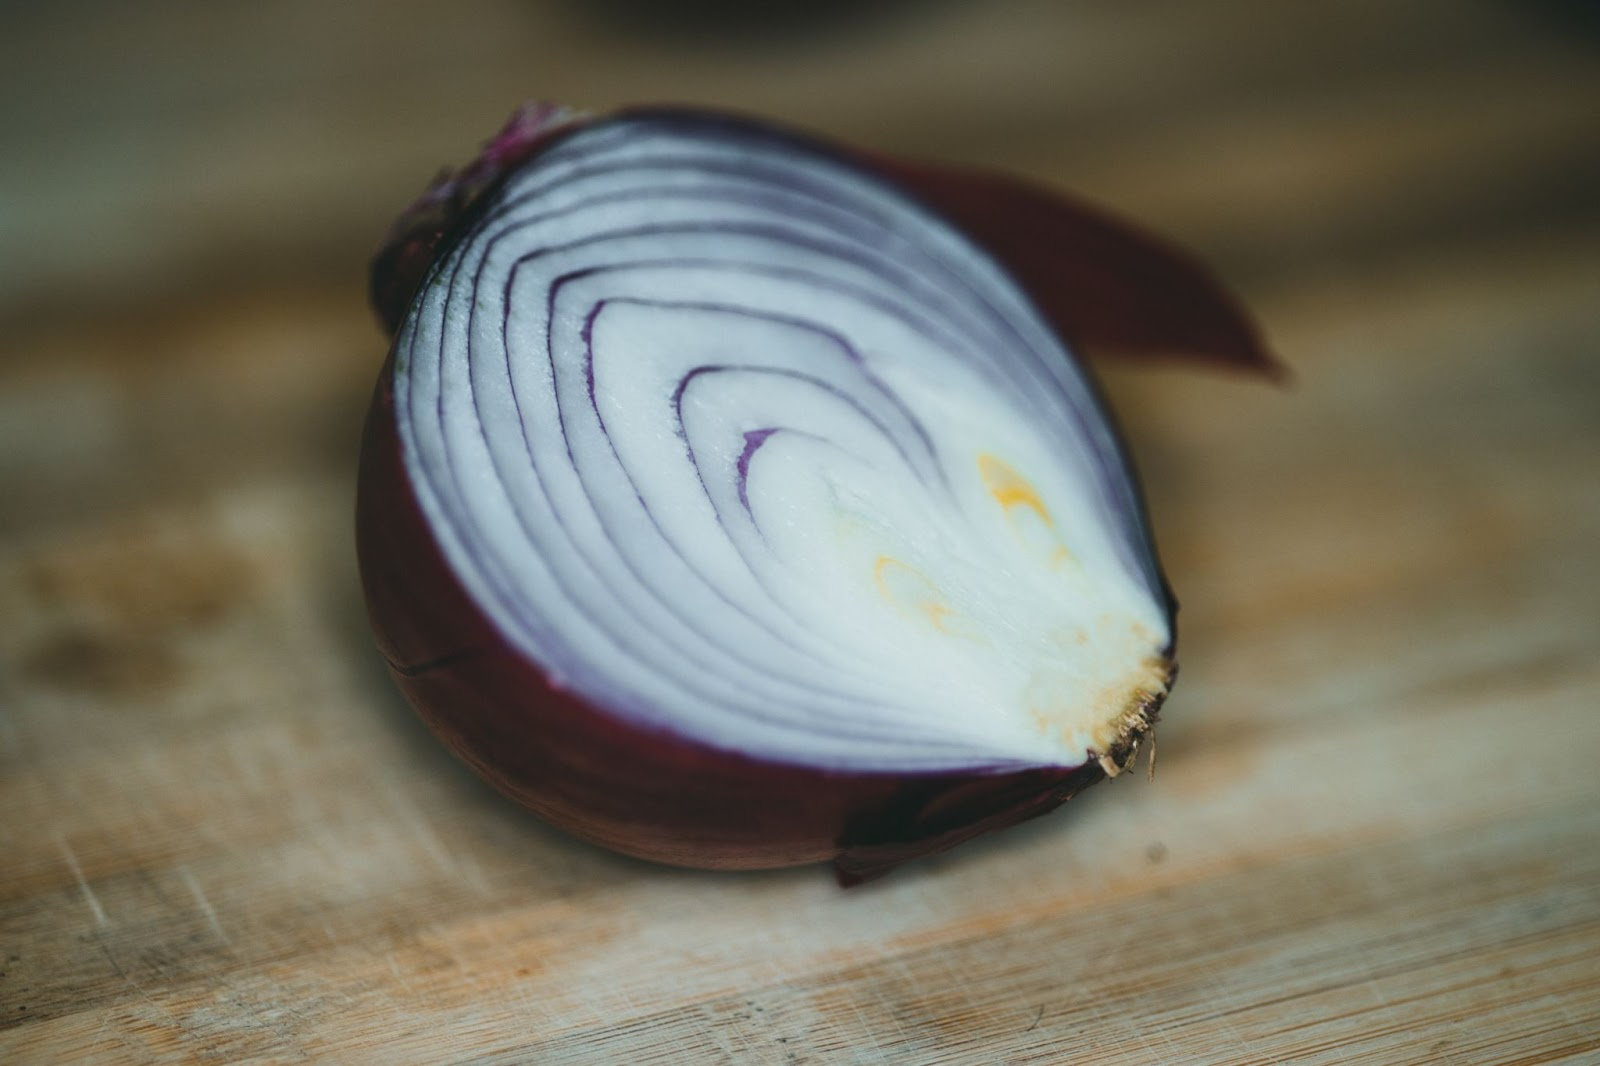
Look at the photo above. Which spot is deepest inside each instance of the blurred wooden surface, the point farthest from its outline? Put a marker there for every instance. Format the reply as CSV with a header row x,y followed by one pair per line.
x,y
1375,834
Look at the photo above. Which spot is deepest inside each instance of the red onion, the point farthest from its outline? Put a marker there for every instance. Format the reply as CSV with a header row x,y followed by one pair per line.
x,y
726,504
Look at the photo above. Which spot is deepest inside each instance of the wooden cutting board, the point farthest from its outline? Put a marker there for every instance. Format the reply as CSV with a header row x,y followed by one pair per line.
x,y
1374,835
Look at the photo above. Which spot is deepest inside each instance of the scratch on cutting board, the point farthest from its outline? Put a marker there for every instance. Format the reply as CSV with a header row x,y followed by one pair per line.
x,y
83,884
448,862
205,904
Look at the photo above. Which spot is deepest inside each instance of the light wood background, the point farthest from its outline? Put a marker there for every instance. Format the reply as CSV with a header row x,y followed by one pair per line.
x,y
1375,832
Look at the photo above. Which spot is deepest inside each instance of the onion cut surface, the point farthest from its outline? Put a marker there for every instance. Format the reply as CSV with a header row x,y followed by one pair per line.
x,y
713,470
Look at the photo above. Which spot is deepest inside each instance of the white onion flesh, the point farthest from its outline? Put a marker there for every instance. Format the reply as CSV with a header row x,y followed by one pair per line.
x,y
736,441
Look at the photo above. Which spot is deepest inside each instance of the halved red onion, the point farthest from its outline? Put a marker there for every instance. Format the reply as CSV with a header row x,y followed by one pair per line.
x,y
728,506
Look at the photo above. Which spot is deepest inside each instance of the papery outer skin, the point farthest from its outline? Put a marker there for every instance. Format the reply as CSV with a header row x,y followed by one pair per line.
x,y
1107,286
413,241
637,791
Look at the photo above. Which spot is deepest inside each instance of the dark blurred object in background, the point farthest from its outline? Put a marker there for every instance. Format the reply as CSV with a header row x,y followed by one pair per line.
x,y
1582,16
764,22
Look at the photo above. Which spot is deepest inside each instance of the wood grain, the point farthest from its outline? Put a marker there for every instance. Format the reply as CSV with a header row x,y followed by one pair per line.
x,y
1372,837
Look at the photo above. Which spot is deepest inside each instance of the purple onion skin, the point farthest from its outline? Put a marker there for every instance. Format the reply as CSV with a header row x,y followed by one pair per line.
x,y
657,796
